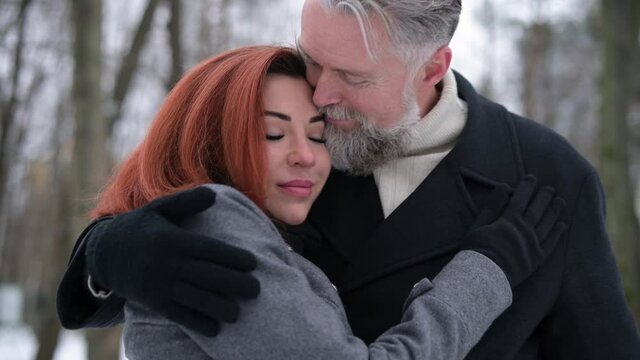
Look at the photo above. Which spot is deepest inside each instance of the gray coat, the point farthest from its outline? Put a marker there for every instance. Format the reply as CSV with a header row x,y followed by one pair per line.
x,y
299,315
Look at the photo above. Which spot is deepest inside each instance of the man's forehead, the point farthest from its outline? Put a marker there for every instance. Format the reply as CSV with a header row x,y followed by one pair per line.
x,y
340,35
340,62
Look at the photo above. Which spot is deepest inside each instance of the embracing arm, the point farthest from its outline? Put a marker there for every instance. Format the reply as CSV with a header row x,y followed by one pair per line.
x,y
292,320
299,315
77,307
143,255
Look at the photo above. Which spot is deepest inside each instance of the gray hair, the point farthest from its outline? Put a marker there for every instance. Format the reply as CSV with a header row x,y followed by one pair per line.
x,y
417,28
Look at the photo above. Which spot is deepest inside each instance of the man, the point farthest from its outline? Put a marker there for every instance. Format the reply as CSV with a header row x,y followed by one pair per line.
x,y
417,152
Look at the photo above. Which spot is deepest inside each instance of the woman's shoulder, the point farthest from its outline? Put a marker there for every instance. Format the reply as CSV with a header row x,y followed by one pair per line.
x,y
234,219
231,212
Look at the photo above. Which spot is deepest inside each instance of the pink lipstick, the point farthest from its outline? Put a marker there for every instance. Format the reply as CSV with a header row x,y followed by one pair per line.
x,y
299,188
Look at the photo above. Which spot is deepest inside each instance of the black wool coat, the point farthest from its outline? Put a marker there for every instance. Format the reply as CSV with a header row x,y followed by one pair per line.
x,y
572,307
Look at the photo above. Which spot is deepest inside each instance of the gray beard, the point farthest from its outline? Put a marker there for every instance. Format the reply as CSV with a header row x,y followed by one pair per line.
x,y
361,150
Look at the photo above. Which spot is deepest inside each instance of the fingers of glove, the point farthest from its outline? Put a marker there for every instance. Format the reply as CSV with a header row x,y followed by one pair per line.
x,y
221,280
550,218
554,236
486,216
500,197
539,205
193,320
208,304
216,251
185,203
497,200
522,195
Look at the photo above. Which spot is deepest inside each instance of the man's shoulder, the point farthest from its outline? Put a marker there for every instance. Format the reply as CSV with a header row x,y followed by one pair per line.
x,y
542,148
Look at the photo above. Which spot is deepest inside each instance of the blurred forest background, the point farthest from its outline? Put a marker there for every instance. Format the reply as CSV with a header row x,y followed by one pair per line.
x,y
80,80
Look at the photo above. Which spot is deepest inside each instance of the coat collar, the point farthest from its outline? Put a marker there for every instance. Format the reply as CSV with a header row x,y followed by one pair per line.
x,y
488,145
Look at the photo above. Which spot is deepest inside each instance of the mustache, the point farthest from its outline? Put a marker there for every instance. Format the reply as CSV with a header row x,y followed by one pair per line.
x,y
343,113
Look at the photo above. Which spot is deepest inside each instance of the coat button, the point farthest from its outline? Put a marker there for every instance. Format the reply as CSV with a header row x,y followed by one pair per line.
x,y
289,248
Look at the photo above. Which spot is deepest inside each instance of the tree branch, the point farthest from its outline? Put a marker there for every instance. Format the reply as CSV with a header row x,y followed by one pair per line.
x,y
129,64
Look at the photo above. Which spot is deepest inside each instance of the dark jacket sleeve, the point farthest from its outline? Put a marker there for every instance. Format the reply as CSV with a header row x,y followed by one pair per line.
x,y
77,307
591,319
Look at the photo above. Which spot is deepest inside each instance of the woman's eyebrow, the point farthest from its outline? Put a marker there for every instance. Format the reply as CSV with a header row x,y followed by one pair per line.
x,y
279,115
285,117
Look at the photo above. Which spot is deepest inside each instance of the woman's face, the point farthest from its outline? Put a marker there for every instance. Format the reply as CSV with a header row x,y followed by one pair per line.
x,y
297,160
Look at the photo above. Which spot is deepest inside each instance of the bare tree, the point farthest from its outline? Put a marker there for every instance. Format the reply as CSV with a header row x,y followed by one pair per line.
x,y
488,19
536,47
55,247
620,52
11,134
129,63
175,41
88,167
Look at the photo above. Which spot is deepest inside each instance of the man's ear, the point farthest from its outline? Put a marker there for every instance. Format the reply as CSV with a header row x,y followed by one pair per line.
x,y
434,70
429,75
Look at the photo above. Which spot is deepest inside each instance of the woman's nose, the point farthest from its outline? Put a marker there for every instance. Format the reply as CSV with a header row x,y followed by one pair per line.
x,y
301,154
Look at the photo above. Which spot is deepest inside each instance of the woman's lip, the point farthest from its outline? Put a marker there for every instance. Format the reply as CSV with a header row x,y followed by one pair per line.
x,y
298,183
298,188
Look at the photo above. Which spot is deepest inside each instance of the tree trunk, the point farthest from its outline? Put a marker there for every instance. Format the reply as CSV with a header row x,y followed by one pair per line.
x,y
90,156
175,41
55,260
90,124
536,47
620,25
10,137
47,337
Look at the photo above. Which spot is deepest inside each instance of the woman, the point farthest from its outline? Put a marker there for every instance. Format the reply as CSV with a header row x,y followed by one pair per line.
x,y
244,120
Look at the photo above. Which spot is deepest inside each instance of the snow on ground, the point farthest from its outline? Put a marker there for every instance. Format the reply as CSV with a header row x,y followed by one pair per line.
x,y
19,343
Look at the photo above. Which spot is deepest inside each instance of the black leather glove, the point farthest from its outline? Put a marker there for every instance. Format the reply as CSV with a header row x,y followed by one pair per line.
x,y
191,279
523,235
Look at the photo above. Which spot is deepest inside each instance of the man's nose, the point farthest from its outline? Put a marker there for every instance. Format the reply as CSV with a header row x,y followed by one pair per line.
x,y
301,154
327,90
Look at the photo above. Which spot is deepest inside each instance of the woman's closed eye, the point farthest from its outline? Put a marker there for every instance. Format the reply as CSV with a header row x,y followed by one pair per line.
x,y
316,139
274,137
319,140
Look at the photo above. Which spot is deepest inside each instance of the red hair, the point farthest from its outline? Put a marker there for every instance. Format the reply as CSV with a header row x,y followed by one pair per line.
x,y
208,130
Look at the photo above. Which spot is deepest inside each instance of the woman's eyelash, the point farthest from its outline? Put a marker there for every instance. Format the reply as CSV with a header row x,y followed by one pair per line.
x,y
278,137
318,140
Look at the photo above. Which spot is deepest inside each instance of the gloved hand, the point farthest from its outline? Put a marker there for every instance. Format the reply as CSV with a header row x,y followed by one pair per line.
x,y
523,235
191,279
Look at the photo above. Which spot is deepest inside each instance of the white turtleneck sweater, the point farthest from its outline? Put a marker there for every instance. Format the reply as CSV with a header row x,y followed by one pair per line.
x,y
433,137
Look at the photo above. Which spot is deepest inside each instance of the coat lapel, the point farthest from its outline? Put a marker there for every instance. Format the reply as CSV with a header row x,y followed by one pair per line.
x,y
428,223
347,211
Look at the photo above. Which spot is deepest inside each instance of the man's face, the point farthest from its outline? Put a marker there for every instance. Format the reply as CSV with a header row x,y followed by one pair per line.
x,y
344,75
369,104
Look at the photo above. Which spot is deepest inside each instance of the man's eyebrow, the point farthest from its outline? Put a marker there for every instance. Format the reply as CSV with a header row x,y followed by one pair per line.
x,y
278,115
307,58
303,53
